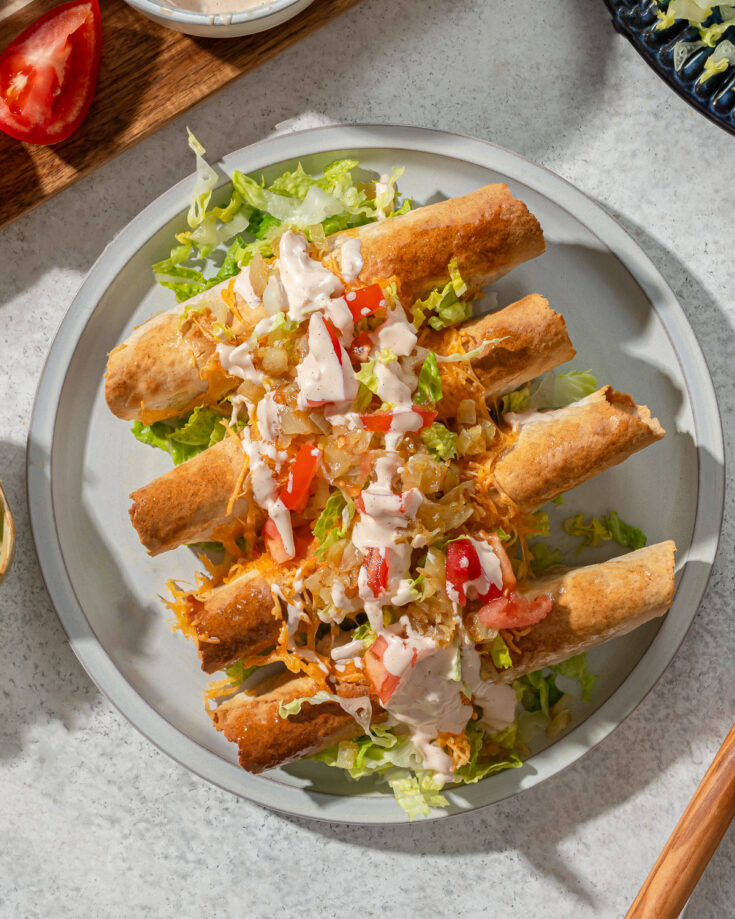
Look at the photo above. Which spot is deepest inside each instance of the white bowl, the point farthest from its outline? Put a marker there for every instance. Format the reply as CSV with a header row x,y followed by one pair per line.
x,y
263,16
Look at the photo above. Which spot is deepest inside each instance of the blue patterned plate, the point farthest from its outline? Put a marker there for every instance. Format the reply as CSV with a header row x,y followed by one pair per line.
x,y
676,54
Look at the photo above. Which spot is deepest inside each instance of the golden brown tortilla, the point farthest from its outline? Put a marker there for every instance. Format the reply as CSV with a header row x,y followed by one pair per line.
x,y
162,371
591,606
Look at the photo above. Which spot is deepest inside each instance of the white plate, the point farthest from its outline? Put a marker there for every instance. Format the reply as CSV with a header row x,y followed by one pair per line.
x,y
82,462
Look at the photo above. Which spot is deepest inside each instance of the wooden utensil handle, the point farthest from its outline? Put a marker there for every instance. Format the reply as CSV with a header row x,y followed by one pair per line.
x,y
693,842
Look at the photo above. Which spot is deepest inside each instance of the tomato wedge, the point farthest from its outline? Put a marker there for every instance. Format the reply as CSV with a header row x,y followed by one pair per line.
x,y
49,73
515,611
296,491
365,301
334,339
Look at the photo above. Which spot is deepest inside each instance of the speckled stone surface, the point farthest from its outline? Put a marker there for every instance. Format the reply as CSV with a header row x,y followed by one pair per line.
x,y
94,821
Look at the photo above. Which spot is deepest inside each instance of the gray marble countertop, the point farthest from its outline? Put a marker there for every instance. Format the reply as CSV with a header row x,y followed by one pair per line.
x,y
94,820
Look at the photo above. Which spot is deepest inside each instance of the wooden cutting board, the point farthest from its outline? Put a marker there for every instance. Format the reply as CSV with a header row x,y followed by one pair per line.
x,y
148,76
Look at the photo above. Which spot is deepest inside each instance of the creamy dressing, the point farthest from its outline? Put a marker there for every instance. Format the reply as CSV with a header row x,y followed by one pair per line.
x,y
244,288
265,489
323,376
350,256
497,700
396,333
268,416
237,360
307,283
212,7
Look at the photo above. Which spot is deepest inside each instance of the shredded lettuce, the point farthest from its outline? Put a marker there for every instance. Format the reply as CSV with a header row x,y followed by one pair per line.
x,y
429,389
444,307
334,521
500,653
560,389
476,769
367,376
597,530
364,633
544,557
515,402
187,436
238,672
416,794
336,200
576,668
440,441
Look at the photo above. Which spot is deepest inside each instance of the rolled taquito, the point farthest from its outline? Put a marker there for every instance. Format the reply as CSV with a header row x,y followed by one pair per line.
x,y
594,604
489,232
266,740
591,605
558,450
237,619
530,339
164,368
192,502
553,452
178,508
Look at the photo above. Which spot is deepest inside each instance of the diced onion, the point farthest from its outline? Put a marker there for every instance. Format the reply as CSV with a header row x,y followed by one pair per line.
x,y
467,411
258,274
275,361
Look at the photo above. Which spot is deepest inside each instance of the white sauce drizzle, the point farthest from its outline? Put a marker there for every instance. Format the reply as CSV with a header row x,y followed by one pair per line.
x,y
307,283
321,376
351,259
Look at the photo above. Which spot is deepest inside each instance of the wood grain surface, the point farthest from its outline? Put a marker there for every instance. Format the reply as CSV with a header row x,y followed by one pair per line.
x,y
693,842
148,76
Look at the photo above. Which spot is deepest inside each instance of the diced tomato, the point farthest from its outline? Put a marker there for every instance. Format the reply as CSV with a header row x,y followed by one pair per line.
x,y
492,594
365,301
376,569
296,491
49,73
515,611
361,347
274,543
427,416
381,421
334,338
377,421
463,565
381,682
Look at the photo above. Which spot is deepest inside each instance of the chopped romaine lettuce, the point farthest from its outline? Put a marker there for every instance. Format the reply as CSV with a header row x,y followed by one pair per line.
x,y
443,307
544,557
515,402
187,436
609,527
429,389
576,668
560,389
334,521
500,653
440,440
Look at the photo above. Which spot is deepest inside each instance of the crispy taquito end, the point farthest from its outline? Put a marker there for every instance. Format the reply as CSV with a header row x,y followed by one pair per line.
x,y
594,604
489,232
556,451
591,605
192,502
237,619
265,740
168,366
533,340
161,371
